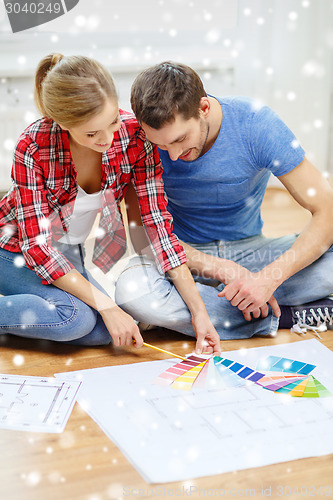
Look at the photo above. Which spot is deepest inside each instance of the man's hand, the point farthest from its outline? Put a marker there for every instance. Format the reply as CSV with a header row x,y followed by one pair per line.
x,y
252,294
208,340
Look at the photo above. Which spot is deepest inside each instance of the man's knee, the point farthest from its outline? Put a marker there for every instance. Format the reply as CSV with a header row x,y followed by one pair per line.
x,y
144,294
136,282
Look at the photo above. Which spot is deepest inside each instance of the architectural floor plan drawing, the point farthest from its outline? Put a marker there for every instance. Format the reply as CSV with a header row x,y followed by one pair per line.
x,y
173,435
35,403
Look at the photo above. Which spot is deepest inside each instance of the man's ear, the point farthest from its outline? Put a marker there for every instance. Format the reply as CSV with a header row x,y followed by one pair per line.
x,y
204,107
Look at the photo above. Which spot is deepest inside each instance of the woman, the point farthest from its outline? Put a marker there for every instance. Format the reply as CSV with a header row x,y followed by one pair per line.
x,y
74,162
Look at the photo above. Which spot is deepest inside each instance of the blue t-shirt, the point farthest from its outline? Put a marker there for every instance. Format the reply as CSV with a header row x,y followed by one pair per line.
x,y
219,195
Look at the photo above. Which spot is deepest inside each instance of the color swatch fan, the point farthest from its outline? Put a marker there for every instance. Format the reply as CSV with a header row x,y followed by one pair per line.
x,y
204,372
273,373
184,374
290,377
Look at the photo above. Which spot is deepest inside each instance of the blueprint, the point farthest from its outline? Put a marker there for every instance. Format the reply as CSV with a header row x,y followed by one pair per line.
x,y
35,403
172,435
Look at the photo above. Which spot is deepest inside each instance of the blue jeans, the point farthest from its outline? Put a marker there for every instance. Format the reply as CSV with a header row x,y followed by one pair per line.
x,y
151,298
31,309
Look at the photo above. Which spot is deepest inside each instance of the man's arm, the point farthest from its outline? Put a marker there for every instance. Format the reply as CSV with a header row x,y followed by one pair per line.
x,y
225,271
309,188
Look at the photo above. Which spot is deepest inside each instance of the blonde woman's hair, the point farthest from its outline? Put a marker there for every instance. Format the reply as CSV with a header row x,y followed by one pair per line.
x,y
71,90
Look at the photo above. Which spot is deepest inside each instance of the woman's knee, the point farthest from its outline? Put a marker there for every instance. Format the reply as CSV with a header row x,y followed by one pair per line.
x,y
76,321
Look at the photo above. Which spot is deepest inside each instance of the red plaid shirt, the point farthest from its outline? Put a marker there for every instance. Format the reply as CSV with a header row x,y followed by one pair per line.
x,y
36,211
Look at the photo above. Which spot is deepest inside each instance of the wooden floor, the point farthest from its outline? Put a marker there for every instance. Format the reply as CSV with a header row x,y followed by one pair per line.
x,y
82,463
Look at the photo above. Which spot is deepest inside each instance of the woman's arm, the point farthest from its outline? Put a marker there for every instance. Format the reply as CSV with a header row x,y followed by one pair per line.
x,y
207,337
157,221
120,325
181,277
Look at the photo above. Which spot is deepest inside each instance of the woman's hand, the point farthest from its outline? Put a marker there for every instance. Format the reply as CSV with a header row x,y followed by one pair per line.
x,y
122,327
208,340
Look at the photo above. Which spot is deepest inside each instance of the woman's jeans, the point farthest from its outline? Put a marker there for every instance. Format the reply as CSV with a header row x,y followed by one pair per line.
x,y
31,309
151,298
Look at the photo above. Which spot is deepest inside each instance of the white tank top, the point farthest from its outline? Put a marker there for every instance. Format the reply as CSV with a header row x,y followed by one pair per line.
x,y
86,207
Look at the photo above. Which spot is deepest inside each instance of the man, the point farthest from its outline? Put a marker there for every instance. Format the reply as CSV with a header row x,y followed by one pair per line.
x,y
217,155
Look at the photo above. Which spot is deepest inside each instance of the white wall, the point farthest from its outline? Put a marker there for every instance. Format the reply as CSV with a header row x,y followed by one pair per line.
x,y
279,51
290,63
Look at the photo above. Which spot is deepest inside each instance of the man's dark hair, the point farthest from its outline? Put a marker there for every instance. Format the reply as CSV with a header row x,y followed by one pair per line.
x,y
164,90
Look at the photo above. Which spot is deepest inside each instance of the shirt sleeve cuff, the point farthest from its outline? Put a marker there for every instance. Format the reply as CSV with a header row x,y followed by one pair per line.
x,y
50,267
